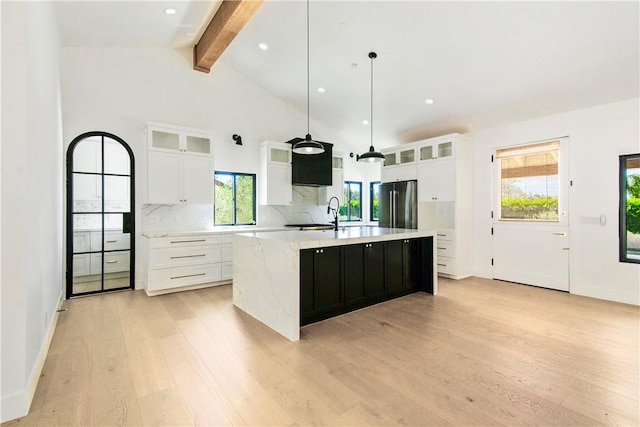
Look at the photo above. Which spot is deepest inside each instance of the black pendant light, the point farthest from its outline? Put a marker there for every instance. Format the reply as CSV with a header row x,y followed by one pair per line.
x,y
372,155
308,145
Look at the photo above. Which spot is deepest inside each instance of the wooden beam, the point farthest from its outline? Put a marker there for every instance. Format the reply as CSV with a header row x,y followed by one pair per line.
x,y
225,25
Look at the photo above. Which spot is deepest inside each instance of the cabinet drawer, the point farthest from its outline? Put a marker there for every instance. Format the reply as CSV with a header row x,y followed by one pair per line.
x,y
227,238
176,257
184,241
446,248
446,235
113,241
446,265
167,278
113,262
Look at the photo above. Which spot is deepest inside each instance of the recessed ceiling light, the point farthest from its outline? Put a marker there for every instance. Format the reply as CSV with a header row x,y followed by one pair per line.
x,y
365,122
321,90
170,11
263,46
428,101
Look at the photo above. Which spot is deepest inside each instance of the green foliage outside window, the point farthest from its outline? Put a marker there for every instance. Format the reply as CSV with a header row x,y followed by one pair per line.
x,y
530,208
633,204
235,202
350,210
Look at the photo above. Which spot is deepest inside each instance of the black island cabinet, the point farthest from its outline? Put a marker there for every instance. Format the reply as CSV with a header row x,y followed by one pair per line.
x,y
338,279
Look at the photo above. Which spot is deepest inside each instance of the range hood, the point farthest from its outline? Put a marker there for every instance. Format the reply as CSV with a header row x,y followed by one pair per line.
x,y
312,170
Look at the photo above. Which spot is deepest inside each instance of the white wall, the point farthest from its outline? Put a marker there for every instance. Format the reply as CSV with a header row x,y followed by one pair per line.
x,y
32,182
597,136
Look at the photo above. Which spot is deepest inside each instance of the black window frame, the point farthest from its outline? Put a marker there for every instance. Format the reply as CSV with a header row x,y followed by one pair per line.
x,y
623,244
371,192
347,205
233,210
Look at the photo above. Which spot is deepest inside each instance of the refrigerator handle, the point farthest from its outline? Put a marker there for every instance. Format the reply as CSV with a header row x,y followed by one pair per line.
x,y
394,201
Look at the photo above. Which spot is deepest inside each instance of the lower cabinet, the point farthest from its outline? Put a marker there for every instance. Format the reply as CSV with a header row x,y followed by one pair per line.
x,y
339,279
187,262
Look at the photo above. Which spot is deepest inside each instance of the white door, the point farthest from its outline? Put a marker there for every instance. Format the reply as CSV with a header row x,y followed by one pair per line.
x,y
530,216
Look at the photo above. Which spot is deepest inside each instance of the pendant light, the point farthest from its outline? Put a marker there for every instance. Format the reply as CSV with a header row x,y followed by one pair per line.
x,y
372,155
308,145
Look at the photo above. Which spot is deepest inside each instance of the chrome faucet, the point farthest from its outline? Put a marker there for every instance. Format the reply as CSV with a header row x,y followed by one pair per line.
x,y
335,212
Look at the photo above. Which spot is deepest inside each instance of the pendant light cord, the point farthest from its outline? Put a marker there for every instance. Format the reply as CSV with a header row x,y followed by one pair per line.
x,y
372,56
308,109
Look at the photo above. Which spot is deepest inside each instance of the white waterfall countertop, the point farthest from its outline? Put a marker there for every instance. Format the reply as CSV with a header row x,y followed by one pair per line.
x,y
266,268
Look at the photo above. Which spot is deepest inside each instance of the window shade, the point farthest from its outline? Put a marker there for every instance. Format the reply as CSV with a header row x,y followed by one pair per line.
x,y
540,159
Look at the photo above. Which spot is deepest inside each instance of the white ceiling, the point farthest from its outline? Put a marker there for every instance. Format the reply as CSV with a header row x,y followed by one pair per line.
x,y
484,63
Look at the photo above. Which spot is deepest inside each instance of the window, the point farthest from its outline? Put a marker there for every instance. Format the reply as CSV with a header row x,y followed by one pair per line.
x,y
374,200
235,198
350,210
529,184
630,208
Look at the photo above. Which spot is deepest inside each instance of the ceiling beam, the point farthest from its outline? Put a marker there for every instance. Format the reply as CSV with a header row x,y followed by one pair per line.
x,y
225,25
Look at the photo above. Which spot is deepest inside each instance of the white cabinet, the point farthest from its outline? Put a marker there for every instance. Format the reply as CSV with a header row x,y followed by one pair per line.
x,y
187,262
337,178
445,200
399,164
179,165
437,181
275,173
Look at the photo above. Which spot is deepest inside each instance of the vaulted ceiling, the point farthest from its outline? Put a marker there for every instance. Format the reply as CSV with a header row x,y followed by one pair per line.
x,y
483,64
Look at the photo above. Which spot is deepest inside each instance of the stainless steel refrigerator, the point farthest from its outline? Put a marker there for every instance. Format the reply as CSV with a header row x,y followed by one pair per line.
x,y
398,204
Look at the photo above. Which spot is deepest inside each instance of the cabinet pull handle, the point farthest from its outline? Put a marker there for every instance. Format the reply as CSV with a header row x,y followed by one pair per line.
x,y
188,241
559,234
444,249
188,275
187,256
111,261
442,265
112,241
442,235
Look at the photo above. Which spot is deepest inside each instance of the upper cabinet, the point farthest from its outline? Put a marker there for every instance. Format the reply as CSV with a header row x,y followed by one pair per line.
x,y
436,150
336,189
399,164
275,173
179,165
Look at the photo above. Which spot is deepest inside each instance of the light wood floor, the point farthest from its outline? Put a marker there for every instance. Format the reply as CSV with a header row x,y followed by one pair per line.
x,y
481,353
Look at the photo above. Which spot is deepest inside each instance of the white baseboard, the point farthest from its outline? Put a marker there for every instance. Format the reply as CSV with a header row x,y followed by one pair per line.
x,y
17,405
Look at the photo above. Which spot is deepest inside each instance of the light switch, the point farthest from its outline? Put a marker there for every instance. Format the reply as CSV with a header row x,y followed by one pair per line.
x,y
603,220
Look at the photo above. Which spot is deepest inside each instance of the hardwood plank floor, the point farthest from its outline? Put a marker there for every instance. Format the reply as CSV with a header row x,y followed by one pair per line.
x,y
482,352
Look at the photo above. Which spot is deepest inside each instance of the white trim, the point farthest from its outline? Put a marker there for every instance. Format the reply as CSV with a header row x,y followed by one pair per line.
x,y
17,405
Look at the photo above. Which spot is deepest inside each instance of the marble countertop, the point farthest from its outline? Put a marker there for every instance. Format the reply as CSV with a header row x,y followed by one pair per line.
x,y
215,230
344,236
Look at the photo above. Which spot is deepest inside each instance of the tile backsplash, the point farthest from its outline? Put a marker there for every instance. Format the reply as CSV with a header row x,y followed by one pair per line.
x,y
187,217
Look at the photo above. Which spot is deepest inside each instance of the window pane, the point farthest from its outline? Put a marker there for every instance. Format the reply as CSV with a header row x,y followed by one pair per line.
x,y
529,182
223,199
630,206
245,185
343,212
354,201
375,201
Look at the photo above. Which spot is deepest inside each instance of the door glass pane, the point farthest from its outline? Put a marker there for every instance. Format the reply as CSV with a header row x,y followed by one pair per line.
x,y
117,195
223,209
87,155
87,192
196,144
116,269
245,191
426,153
86,223
167,140
529,182
116,158
445,149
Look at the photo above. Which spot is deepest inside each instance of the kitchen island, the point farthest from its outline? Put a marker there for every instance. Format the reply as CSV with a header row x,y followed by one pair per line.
x,y
287,279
